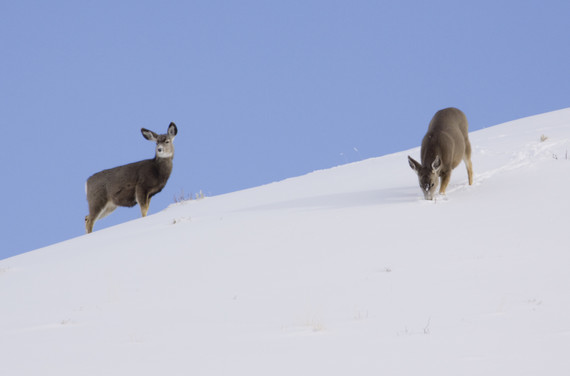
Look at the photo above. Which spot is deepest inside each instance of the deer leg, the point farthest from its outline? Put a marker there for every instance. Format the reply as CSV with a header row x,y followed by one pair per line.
x,y
97,212
467,160
143,201
144,207
445,177
96,207
469,170
469,166
88,224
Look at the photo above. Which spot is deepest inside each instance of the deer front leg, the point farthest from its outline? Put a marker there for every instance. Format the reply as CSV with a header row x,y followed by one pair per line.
x,y
143,201
445,177
144,208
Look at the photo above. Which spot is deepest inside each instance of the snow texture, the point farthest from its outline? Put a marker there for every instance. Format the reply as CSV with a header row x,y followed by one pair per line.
x,y
346,271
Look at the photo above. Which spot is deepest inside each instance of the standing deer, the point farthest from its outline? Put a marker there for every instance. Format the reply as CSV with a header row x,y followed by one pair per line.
x,y
443,147
132,183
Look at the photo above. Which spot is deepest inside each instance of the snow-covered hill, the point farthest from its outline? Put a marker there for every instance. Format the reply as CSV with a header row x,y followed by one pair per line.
x,y
346,271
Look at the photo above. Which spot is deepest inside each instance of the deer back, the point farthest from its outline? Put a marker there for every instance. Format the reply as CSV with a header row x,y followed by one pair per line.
x,y
446,137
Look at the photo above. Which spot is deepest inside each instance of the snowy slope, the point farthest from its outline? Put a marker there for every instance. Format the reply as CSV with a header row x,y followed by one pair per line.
x,y
346,271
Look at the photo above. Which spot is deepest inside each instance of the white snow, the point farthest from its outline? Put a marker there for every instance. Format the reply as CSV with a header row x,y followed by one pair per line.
x,y
346,271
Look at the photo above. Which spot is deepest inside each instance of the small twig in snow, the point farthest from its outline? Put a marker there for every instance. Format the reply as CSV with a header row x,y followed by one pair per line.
x,y
426,328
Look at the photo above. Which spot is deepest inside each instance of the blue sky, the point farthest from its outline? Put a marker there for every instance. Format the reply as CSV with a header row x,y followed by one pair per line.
x,y
260,90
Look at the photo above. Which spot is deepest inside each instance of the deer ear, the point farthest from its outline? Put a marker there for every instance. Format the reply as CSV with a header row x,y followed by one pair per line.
x,y
436,164
149,135
172,130
414,164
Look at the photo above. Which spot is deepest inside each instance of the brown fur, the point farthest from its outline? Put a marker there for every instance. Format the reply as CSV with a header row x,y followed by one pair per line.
x,y
444,146
133,183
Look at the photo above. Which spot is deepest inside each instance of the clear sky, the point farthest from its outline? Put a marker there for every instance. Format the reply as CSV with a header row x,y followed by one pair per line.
x,y
260,90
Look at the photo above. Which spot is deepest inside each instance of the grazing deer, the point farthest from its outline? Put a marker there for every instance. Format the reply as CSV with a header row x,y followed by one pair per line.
x,y
443,147
132,183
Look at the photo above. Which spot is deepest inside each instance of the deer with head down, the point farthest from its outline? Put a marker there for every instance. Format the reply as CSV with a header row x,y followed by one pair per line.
x,y
131,184
444,146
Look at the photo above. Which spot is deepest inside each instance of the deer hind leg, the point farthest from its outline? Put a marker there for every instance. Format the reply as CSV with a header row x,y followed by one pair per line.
x,y
89,224
95,209
96,212
467,161
469,170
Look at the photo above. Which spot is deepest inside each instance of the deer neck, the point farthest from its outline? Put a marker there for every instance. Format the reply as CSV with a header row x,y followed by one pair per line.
x,y
164,166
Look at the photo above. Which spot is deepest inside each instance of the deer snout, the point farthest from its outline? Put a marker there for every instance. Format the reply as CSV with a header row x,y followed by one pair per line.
x,y
164,151
429,190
